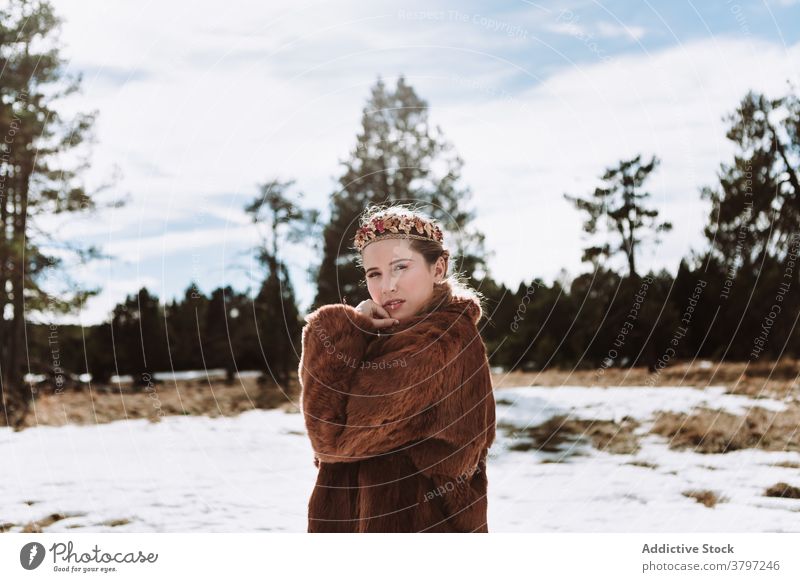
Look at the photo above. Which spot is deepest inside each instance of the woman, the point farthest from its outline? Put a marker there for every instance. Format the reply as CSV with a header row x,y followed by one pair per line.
x,y
396,392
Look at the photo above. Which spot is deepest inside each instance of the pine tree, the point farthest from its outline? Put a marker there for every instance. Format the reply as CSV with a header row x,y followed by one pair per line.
x,y
219,332
36,180
185,319
139,337
282,222
398,158
621,203
755,208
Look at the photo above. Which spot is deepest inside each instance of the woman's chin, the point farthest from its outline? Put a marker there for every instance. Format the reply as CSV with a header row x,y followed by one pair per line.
x,y
398,313
401,317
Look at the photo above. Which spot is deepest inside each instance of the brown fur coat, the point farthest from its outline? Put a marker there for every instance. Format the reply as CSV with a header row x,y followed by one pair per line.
x,y
401,421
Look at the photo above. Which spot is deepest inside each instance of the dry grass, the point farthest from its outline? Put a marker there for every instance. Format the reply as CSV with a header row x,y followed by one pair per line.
x,y
705,431
106,404
644,464
783,490
759,379
706,497
38,525
559,433
787,464
702,431
712,431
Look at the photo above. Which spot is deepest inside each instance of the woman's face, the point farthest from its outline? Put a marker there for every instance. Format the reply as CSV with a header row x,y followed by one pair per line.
x,y
398,278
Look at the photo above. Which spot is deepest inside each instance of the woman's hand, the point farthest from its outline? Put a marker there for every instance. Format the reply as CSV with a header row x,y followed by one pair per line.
x,y
380,317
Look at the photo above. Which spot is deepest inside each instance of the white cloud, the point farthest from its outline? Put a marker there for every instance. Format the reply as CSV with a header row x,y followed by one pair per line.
x,y
180,242
611,30
596,30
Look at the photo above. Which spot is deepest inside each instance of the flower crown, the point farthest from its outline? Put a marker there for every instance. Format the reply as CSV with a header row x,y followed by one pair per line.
x,y
396,226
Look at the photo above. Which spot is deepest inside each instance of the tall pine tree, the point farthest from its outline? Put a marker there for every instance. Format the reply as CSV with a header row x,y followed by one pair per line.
x,y
398,158
281,221
620,202
36,179
755,208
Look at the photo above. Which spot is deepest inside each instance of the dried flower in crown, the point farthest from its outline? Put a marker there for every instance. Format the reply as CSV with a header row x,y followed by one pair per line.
x,y
396,226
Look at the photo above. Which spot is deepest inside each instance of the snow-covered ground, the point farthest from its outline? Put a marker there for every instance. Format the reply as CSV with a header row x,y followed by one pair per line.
x,y
254,472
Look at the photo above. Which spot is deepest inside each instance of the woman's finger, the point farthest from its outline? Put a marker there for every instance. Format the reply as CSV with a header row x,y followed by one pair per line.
x,y
381,323
382,312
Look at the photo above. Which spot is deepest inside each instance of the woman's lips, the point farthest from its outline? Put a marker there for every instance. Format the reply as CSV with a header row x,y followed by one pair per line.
x,y
394,305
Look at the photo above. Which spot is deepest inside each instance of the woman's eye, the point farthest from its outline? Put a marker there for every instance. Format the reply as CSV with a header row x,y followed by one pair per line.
x,y
400,267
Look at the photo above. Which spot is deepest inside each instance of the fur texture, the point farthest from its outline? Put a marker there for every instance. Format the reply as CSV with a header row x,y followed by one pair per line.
x,y
401,421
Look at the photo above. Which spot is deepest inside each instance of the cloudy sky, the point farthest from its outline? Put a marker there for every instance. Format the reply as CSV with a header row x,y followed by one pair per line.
x,y
199,103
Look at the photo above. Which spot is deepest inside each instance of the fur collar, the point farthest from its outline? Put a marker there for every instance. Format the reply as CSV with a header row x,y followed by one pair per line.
x,y
447,298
